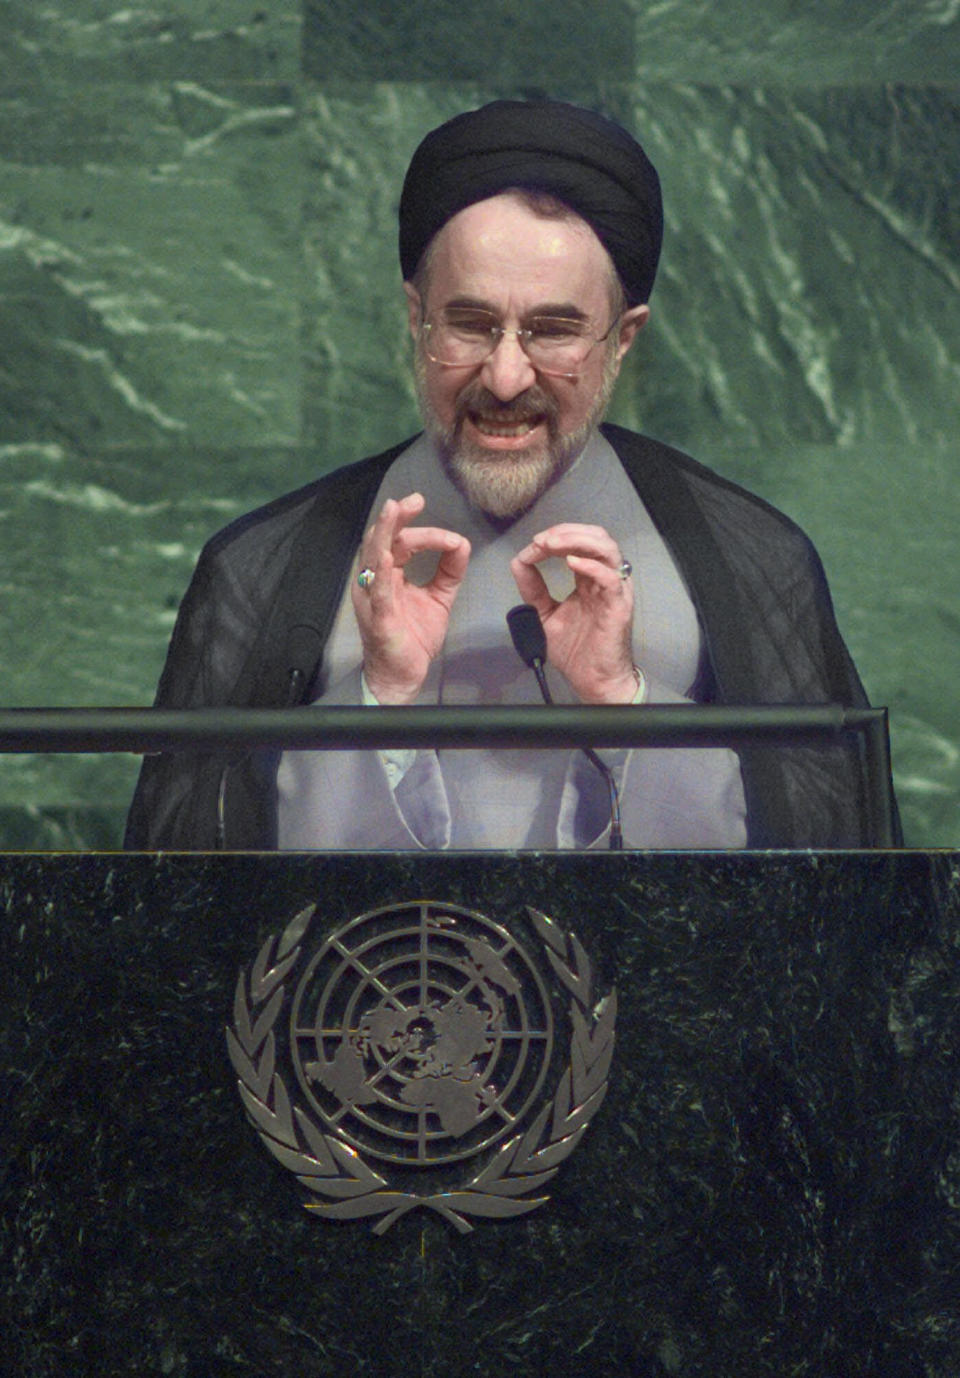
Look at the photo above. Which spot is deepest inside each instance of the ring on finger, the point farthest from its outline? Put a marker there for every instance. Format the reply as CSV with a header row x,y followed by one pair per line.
x,y
366,577
624,569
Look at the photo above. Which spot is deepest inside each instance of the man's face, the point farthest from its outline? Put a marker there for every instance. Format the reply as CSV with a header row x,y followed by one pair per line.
x,y
506,432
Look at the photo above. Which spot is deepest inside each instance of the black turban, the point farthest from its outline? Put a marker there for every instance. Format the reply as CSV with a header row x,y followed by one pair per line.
x,y
580,157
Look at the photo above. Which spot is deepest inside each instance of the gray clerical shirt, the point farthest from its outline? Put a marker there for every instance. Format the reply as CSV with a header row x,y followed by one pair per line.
x,y
339,800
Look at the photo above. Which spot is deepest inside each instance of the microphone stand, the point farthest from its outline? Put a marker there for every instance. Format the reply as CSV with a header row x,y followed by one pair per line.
x,y
530,643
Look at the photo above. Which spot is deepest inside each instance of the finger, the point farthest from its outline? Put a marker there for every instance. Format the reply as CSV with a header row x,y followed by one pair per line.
x,y
381,594
393,516
449,573
599,576
410,505
408,509
607,553
377,600
577,538
567,531
416,538
379,536
531,586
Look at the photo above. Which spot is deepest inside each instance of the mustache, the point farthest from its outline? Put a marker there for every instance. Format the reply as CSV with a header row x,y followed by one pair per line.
x,y
526,407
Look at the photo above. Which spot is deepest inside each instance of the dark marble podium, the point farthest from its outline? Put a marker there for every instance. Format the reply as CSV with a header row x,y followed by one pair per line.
x,y
772,1185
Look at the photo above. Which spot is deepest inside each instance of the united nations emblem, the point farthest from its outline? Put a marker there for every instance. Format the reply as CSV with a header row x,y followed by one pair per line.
x,y
420,1036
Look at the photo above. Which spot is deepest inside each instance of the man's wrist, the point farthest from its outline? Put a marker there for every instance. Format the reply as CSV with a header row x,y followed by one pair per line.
x,y
367,697
396,761
624,693
378,694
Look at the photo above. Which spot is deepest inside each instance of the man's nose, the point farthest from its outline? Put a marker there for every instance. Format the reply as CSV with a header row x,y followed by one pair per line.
x,y
508,371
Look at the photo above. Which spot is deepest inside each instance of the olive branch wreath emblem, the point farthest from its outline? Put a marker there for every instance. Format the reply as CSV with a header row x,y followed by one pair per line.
x,y
334,1170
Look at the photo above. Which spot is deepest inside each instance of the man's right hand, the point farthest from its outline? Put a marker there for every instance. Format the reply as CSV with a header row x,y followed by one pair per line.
x,y
403,626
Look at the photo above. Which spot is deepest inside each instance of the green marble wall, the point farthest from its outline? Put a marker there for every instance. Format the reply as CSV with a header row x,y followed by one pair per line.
x,y
201,306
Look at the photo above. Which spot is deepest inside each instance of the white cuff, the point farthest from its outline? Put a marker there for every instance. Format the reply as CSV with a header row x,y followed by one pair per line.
x,y
396,760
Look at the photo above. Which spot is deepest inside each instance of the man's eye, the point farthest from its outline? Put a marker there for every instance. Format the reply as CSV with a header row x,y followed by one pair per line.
x,y
470,322
553,328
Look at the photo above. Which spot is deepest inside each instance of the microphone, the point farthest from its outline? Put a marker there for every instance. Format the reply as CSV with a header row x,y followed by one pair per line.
x,y
302,649
530,643
301,652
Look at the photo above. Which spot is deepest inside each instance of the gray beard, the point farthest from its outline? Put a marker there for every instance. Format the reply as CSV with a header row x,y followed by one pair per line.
x,y
505,486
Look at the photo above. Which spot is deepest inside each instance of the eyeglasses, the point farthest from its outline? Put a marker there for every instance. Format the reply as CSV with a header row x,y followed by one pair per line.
x,y
462,337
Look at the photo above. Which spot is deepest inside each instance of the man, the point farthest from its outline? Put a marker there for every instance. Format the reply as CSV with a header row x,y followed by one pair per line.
x,y
529,239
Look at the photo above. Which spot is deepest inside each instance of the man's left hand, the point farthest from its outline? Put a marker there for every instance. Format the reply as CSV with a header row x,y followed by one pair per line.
x,y
590,634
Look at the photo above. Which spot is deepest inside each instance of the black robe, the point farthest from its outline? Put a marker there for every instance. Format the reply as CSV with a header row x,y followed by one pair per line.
x,y
266,590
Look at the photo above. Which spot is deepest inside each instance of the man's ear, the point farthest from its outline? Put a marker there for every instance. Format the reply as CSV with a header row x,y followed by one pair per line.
x,y
414,308
631,323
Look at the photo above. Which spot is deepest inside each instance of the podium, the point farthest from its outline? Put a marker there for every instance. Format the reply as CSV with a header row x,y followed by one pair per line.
x,y
769,1186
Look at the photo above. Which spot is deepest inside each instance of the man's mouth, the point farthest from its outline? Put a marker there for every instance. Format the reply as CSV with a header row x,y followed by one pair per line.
x,y
488,426
499,429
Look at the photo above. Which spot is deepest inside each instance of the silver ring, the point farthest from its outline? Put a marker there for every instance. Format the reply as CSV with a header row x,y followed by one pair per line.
x,y
624,569
366,577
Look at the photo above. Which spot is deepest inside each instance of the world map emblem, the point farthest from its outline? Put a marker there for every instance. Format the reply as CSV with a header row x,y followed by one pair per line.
x,y
416,1057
